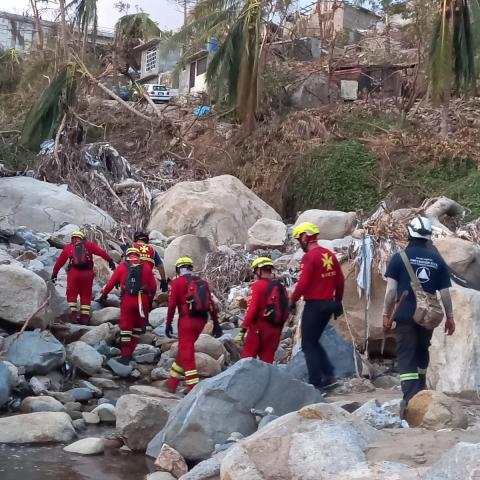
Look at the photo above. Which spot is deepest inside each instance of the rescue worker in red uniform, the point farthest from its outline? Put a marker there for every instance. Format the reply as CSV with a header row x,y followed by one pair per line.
x,y
321,285
138,286
186,291
150,257
79,253
263,334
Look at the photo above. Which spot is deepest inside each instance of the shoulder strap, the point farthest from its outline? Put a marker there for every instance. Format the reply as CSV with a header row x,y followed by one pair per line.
x,y
408,266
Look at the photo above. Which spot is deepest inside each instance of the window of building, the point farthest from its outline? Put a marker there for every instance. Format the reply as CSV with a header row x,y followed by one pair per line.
x,y
151,59
201,66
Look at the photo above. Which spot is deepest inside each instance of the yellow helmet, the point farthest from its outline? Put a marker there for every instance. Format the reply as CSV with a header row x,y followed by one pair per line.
x,y
262,262
132,251
77,233
183,261
305,227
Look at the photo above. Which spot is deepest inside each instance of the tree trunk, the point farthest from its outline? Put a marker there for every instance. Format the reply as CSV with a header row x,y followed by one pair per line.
x,y
63,28
38,24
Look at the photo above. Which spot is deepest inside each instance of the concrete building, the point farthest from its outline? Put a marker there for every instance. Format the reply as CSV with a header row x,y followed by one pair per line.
x,y
325,18
18,32
156,61
193,79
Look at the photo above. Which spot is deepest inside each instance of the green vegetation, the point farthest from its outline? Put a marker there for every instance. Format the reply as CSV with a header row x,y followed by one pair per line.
x,y
358,124
335,176
455,178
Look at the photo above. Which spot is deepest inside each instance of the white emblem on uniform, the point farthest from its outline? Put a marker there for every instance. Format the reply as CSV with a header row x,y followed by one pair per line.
x,y
423,274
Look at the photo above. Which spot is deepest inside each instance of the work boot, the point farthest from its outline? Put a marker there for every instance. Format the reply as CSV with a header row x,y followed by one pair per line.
x,y
73,317
329,383
85,319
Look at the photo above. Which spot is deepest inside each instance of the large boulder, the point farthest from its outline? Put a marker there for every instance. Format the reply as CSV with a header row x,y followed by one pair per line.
x,y
463,257
340,352
84,357
39,352
435,411
105,315
41,404
318,442
44,207
40,427
5,384
205,344
140,418
355,308
455,360
331,223
220,208
228,398
22,293
191,246
106,332
267,233
461,462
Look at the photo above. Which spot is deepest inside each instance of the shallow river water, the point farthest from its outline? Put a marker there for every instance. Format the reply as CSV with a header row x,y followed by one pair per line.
x,y
52,463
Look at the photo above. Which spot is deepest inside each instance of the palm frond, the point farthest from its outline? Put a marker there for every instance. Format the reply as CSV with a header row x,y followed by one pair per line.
x,y
43,117
85,17
137,26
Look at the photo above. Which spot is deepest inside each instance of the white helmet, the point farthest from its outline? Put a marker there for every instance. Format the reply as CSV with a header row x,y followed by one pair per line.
x,y
420,227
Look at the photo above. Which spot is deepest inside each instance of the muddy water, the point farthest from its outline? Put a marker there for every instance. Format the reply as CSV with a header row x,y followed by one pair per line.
x,y
52,463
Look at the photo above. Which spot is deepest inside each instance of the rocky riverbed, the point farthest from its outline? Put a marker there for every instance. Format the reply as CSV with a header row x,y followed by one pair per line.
x,y
65,406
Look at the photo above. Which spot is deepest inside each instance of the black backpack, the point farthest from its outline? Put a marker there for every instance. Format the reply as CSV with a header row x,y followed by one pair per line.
x,y
81,257
133,283
276,311
198,297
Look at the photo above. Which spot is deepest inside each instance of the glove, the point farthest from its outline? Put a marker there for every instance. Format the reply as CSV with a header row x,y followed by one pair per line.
x,y
217,330
169,330
53,278
240,338
337,309
163,285
112,265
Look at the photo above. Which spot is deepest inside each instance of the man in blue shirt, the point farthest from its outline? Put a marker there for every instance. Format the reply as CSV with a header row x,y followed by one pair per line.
x,y
413,340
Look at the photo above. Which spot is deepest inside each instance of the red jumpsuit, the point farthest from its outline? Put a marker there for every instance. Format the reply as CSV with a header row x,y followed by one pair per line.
x,y
262,337
189,329
79,281
134,309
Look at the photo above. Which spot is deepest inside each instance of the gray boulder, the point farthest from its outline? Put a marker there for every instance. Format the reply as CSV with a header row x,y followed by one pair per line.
x,y
145,353
140,418
86,446
5,384
462,462
107,314
22,293
197,248
106,332
44,206
41,404
80,394
339,351
62,237
208,469
228,398
40,427
39,352
84,357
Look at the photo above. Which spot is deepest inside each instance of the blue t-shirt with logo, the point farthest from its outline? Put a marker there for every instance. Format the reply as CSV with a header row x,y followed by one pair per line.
x,y
430,269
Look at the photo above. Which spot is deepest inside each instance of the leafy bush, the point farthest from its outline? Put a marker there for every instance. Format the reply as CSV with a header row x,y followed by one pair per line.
x,y
357,124
334,176
458,179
